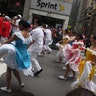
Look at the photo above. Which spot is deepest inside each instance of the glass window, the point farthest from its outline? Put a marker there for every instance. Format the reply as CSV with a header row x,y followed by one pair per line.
x,y
13,2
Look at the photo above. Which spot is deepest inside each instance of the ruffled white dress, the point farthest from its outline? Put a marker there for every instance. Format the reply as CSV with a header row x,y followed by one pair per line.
x,y
74,60
85,80
16,55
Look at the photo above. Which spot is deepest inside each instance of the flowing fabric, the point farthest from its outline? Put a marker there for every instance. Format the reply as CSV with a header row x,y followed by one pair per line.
x,y
64,51
86,73
16,56
74,60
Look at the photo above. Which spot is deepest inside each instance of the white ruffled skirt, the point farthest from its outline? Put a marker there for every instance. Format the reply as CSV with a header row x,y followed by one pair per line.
x,y
8,52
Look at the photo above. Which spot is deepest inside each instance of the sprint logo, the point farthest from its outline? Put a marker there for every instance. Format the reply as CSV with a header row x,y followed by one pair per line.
x,y
49,5
61,7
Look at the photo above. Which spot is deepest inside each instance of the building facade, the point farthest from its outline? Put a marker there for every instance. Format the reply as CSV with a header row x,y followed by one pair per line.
x,y
86,22
52,12
82,24
12,7
74,14
92,28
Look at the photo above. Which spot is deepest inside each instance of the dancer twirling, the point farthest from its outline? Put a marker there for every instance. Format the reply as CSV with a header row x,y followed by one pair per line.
x,y
73,62
16,55
87,68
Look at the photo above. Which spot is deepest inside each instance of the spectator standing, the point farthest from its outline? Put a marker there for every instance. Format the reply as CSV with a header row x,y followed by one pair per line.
x,y
48,38
6,29
15,23
1,25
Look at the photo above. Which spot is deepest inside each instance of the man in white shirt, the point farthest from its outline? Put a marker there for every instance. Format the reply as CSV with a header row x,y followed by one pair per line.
x,y
19,17
15,23
36,47
48,38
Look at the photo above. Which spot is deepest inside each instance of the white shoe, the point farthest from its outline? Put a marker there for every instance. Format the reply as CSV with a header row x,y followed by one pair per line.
x,y
5,89
62,77
58,61
71,76
22,85
64,68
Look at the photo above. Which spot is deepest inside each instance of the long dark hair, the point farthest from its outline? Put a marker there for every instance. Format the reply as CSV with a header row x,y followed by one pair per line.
x,y
80,92
24,24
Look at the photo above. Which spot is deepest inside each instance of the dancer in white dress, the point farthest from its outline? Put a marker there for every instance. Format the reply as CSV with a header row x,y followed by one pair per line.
x,y
16,55
87,68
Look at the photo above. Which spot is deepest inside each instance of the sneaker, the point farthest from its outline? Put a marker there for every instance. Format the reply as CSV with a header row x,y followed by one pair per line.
x,y
58,61
71,76
38,72
22,85
64,68
48,52
5,89
62,77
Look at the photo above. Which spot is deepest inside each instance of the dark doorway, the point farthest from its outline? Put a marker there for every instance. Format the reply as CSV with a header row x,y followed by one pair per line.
x,y
49,20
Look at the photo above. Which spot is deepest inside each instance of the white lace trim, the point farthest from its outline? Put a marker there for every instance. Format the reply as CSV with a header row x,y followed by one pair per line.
x,y
25,40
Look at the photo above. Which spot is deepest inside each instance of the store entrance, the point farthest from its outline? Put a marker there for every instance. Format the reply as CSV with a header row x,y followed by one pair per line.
x,y
49,20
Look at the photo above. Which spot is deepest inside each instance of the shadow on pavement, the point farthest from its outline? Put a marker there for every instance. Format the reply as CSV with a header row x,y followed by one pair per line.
x,y
16,93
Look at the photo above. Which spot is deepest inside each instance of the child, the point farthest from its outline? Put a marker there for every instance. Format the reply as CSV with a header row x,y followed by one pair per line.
x,y
73,62
62,48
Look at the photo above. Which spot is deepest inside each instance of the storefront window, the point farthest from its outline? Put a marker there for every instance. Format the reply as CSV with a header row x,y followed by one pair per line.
x,y
14,2
16,6
3,6
12,7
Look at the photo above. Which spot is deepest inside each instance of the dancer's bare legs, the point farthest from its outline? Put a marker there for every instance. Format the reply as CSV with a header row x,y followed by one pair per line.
x,y
8,77
17,75
67,71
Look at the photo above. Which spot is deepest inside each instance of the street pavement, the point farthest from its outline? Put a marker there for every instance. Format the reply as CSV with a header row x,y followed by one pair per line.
x,y
46,84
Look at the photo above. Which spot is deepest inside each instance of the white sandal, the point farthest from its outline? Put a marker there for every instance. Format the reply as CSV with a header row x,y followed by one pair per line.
x,y
62,77
22,85
5,89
